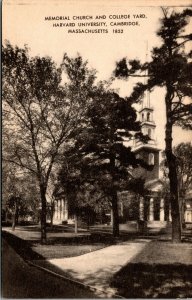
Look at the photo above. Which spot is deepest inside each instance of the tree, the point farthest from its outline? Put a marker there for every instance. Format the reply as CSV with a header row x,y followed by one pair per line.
x,y
104,157
18,186
171,68
20,194
41,112
183,154
14,205
82,193
18,207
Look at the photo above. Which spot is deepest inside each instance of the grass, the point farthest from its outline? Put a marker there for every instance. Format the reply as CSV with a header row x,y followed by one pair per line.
x,y
69,250
69,245
60,251
161,270
56,248
58,245
154,281
21,281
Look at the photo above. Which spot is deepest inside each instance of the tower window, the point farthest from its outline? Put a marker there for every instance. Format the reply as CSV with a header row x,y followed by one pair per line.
x,y
138,156
148,116
142,117
151,159
149,132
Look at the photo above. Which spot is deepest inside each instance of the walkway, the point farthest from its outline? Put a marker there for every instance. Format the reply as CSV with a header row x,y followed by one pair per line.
x,y
97,269
21,280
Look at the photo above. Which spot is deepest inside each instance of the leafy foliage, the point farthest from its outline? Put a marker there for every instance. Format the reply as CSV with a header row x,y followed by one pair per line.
x,y
99,159
171,68
183,154
40,112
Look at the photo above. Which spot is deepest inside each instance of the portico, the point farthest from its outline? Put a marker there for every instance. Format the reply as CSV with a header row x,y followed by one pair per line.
x,y
61,211
153,207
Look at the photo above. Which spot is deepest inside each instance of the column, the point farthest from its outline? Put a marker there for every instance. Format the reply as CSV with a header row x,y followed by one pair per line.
x,y
60,210
170,218
162,210
151,209
121,208
141,208
65,210
111,217
56,211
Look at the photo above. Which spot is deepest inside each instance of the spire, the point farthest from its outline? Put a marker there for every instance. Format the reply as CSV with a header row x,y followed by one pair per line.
x,y
145,115
146,99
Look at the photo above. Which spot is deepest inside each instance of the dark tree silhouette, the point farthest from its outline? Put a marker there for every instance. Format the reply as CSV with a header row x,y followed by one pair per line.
x,y
171,68
183,154
102,155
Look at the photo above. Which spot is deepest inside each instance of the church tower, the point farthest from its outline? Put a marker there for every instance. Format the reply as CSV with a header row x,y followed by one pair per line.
x,y
149,152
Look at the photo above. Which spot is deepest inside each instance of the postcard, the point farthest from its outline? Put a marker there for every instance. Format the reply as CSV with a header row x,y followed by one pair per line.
x,y
96,142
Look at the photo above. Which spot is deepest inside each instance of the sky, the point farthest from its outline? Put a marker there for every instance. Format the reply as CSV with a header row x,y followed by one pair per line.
x,y
24,23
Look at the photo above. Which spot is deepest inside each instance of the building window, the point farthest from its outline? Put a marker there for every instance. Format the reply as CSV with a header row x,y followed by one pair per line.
x,y
151,159
149,132
148,116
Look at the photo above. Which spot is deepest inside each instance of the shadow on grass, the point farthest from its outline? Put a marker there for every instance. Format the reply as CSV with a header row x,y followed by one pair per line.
x,y
22,247
51,229
149,231
135,280
21,281
153,281
97,280
160,270
55,247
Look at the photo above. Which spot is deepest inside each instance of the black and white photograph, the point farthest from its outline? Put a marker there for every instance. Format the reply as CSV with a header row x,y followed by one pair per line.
x,y
96,149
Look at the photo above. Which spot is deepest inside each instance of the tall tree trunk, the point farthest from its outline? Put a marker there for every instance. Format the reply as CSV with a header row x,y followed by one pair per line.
x,y
14,217
76,223
182,212
52,213
114,203
43,215
171,162
17,217
115,213
13,221
88,220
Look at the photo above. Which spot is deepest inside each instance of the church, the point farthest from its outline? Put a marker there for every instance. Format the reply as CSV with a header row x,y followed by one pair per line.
x,y
153,206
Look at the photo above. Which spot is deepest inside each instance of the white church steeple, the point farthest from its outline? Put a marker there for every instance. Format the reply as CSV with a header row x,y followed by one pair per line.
x,y
146,118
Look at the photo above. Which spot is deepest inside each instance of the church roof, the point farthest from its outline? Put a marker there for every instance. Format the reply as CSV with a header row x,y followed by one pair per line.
x,y
146,146
154,185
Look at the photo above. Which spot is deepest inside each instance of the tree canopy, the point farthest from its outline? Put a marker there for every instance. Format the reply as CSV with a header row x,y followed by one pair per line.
x,y
170,67
40,111
99,155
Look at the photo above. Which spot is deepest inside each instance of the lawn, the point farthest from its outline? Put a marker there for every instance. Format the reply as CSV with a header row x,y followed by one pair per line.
x,y
163,270
58,247
69,250
154,281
